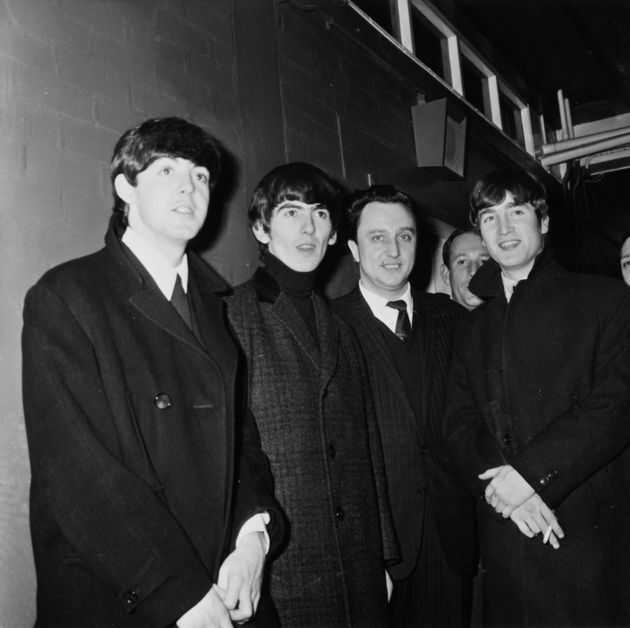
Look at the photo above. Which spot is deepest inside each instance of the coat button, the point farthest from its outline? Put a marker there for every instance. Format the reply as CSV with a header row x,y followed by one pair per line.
x,y
332,452
422,490
507,440
340,514
162,401
130,598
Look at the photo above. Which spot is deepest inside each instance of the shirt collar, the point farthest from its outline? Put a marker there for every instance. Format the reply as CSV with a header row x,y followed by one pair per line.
x,y
380,309
156,264
508,286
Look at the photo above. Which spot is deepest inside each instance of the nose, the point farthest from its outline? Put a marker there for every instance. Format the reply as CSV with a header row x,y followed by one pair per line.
x,y
309,224
474,267
505,224
393,249
186,184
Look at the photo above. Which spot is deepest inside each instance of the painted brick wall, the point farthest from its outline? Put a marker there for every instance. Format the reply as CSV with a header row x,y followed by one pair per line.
x,y
74,74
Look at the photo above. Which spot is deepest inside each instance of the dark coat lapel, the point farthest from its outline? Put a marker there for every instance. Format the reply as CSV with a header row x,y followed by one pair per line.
x,y
375,347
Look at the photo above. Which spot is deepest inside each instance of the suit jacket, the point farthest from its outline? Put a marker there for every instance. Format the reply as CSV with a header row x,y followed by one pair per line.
x,y
412,444
543,383
132,428
309,401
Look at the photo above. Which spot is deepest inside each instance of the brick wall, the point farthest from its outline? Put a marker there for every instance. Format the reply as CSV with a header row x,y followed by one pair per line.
x,y
74,74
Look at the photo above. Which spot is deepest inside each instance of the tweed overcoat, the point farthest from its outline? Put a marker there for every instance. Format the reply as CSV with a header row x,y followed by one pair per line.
x,y
310,406
132,435
412,442
543,383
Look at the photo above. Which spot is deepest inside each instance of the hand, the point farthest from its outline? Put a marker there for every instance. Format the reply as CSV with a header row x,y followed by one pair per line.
x,y
240,577
535,517
389,584
507,489
209,612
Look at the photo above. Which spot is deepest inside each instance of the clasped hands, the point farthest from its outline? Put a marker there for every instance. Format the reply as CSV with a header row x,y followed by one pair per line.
x,y
512,496
235,596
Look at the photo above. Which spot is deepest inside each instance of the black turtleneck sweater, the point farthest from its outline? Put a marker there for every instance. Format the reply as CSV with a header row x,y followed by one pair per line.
x,y
297,286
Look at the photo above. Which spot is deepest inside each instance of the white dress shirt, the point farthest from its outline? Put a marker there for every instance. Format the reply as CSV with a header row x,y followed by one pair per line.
x,y
380,309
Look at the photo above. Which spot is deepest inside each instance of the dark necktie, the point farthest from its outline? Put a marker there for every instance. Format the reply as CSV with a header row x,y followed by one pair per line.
x,y
403,326
180,302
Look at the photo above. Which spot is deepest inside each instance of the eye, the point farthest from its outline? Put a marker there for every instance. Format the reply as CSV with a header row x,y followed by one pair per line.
x,y
625,264
406,237
203,177
486,218
377,237
323,213
461,262
290,211
166,170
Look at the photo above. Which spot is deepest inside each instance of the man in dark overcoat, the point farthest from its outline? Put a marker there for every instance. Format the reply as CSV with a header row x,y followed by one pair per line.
x,y
308,393
433,516
537,421
144,468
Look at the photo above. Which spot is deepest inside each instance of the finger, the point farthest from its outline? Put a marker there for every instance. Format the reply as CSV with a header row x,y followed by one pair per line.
x,y
507,511
551,520
232,593
489,473
523,528
553,541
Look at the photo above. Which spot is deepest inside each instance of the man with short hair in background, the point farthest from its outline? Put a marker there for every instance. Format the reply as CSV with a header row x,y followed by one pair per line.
x,y
463,254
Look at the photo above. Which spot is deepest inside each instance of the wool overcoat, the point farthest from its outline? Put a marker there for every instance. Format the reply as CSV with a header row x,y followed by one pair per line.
x,y
543,383
316,427
413,448
132,431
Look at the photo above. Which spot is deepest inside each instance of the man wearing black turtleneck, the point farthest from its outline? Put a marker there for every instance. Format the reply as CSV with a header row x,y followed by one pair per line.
x,y
308,395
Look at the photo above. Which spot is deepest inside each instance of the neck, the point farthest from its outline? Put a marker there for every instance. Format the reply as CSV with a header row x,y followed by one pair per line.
x,y
290,281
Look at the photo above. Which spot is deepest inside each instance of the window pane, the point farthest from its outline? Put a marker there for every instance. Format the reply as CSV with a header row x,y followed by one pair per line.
x,y
511,119
427,42
380,11
473,84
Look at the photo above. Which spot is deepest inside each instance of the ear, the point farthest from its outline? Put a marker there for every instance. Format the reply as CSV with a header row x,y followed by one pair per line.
x,y
332,239
544,225
124,189
261,233
445,274
354,249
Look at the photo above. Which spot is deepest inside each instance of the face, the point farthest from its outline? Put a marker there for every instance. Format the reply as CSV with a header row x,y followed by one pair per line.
x,y
298,234
169,203
385,247
512,235
467,254
625,261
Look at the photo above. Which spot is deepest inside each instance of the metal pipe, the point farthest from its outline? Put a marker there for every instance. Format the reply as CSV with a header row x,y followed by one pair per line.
x,y
554,147
563,115
584,151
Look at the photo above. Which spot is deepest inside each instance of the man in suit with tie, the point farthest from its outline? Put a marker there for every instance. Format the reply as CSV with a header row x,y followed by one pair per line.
x,y
406,339
142,513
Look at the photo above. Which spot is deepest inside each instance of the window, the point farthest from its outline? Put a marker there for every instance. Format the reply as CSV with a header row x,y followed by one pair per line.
x,y
381,11
427,42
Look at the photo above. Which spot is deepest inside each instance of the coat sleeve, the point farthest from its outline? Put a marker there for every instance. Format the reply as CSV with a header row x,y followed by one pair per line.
x,y
595,429
120,527
470,446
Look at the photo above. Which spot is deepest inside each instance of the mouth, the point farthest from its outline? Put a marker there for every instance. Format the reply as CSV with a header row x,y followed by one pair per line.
x,y
391,266
307,247
508,245
183,209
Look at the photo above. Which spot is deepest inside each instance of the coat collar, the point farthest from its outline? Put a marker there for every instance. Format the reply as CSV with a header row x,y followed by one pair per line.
x,y
125,259
487,283
145,296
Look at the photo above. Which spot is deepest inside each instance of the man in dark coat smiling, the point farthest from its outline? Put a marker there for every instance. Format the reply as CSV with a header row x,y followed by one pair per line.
x,y
133,428
538,421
